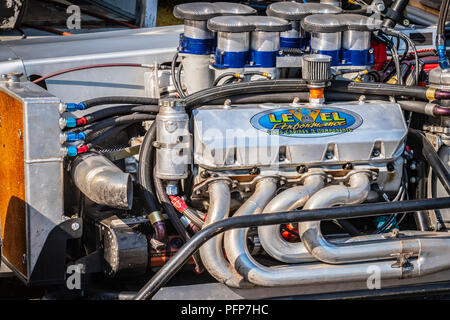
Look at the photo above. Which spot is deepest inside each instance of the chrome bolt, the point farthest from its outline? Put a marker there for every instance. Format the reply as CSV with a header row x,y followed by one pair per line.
x,y
75,226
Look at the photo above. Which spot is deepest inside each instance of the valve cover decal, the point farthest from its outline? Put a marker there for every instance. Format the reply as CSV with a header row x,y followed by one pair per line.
x,y
306,122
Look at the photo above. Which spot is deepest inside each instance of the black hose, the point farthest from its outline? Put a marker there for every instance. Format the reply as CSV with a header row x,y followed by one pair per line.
x,y
115,121
288,97
394,13
117,111
145,172
344,212
173,216
105,135
347,226
380,89
258,86
119,100
169,209
297,85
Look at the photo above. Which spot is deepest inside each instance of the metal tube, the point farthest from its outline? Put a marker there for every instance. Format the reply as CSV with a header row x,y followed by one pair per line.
x,y
211,252
327,252
357,211
265,190
290,199
102,181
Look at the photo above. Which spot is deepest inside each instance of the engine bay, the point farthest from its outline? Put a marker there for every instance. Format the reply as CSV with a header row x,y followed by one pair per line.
x,y
291,150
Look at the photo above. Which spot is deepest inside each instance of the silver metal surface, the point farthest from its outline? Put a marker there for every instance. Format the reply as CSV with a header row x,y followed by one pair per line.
x,y
290,199
197,73
295,32
265,191
233,42
102,181
356,40
197,29
432,258
41,56
269,24
211,252
316,68
265,41
229,138
321,249
173,141
208,10
439,78
294,11
336,3
325,41
43,163
231,24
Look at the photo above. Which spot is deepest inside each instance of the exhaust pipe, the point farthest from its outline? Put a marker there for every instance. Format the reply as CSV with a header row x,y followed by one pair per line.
x,y
357,251
432,257
290,199
265,191
211,252
102,181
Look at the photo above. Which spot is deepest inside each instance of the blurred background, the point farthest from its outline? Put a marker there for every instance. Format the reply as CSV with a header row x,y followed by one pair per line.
x,y
32,18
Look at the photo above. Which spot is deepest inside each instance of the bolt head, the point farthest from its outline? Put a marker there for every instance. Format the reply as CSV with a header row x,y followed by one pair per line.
x,y
75,226
302,169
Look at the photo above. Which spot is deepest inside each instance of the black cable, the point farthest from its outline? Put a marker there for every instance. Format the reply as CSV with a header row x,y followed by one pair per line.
x,y
115,121
118,111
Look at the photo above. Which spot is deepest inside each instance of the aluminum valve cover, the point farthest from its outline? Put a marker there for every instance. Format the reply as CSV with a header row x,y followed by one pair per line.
x,y
243,136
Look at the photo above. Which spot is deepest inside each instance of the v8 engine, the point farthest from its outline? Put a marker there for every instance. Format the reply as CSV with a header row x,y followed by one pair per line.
x,y
290,149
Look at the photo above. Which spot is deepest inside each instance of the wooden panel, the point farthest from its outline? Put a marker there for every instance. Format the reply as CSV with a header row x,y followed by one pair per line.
x,y
12,182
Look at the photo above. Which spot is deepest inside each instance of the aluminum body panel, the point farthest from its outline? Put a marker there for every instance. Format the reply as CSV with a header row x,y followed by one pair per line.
x,y
41,56
231,138
43,165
